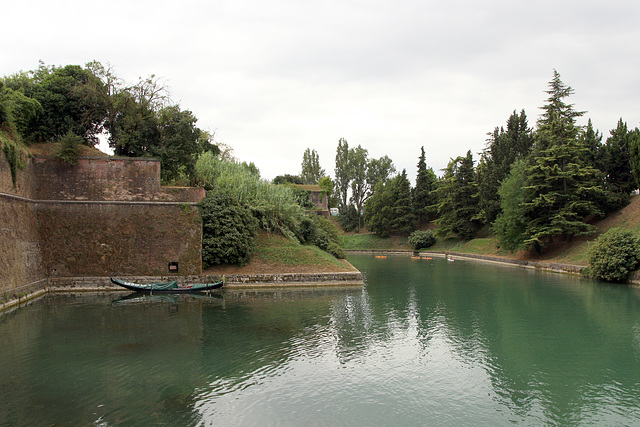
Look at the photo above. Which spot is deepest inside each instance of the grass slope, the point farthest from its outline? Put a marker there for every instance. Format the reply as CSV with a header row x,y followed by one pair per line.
x,y
277,254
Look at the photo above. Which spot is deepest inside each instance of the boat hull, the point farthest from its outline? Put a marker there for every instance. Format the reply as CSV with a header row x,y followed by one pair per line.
x,y
168,287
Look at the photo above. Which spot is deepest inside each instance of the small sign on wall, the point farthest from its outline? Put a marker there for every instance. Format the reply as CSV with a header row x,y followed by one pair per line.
x,y
173,267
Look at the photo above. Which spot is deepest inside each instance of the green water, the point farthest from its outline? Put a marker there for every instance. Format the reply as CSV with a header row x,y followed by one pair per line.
x,y
425,342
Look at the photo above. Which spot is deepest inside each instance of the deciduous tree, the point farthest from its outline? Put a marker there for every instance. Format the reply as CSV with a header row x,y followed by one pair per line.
x,y
343,174
311,170
510,225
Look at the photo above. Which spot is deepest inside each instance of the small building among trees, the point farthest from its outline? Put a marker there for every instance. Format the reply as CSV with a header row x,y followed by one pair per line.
x,y
318,197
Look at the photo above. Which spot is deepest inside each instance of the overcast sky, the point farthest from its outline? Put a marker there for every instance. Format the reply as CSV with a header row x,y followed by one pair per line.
x,y
273,78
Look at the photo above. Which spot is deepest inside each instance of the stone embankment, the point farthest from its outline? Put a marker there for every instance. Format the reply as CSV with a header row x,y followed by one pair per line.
x,y
541,265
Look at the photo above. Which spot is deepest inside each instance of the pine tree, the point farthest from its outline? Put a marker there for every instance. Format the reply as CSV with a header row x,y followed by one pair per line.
x,y
503,148
563,186
634,154
619,180
390,208
423,197
378,211
458,206
591,139
404,220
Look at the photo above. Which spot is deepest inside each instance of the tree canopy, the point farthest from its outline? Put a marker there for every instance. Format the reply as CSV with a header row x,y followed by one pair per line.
x,y
139,120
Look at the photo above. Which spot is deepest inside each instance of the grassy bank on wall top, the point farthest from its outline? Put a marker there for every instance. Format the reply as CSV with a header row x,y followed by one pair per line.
x,y
565,252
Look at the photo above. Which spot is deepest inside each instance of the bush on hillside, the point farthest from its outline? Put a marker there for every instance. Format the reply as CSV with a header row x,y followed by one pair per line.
x,y
614,255
275,206
319,231
421,239
228,231
69,148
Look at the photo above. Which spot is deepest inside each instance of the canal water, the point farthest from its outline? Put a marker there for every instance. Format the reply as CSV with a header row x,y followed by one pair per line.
x,y
425,342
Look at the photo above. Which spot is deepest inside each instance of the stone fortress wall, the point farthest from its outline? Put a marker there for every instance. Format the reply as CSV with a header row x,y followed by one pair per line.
x,y
105,216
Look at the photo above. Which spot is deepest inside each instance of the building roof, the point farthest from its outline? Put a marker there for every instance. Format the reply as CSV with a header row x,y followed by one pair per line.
x,y
310,187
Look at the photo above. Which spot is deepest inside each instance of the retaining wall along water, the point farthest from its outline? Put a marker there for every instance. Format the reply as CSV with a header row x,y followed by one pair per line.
x,y
103,216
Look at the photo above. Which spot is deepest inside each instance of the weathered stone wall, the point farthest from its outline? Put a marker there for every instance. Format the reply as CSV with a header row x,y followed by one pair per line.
x,y
106,178
24,184
102,217
20,255
98,239
100,178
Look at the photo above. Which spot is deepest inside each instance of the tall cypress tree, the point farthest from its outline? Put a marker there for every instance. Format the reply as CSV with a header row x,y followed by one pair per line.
x,y
563,185
404,219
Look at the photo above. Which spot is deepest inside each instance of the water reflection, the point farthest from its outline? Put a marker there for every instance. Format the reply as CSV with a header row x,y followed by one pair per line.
x,y
424,342
544,342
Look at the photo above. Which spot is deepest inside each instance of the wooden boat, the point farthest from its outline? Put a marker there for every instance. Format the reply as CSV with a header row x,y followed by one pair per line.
x,y
168,287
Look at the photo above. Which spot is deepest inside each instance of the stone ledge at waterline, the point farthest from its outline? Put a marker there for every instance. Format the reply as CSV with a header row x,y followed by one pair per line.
x,y
547,266
350,278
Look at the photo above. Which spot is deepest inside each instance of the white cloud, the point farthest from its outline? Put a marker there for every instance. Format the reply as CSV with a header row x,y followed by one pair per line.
x,y
273,78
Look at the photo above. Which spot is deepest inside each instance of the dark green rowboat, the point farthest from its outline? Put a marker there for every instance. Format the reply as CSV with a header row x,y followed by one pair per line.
x,y
168,287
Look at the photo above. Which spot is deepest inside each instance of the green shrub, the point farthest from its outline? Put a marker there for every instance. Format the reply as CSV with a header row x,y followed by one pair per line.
x,y
334,249
275,206
421,239
15,153
614,255
69,148
319,231
228,231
